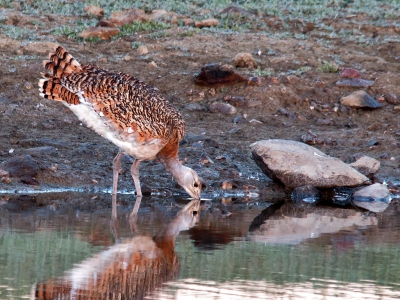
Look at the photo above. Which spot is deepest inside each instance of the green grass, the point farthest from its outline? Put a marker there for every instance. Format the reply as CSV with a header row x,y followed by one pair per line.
x,y
328,67
287,13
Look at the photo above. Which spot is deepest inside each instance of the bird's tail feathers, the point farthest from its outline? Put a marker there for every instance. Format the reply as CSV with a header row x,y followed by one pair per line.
x,y
61,63
50,88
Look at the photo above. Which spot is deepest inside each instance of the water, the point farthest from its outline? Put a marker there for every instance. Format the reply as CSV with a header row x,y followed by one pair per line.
x,y
66,246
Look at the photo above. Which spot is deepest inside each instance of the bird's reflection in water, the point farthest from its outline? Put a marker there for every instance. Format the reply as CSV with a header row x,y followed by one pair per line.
x,y
127,270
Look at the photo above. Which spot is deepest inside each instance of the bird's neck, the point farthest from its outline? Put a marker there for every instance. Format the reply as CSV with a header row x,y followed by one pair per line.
x,y
172,165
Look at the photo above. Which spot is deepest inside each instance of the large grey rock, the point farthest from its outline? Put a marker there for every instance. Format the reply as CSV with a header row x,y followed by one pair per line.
x,y
296,164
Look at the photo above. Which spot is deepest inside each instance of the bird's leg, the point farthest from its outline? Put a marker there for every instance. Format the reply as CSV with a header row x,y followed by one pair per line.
x,y
135,176
133,215
116,169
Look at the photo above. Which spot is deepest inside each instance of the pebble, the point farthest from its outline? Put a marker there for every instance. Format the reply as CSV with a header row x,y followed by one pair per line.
x,y
244,60
4,173
153,64
240,120
360,99
366,165
206,23
205,159
222,108
21,165
188,21
142,50
350,73
102,32
6,180
127,17
392,99
355,82
94,10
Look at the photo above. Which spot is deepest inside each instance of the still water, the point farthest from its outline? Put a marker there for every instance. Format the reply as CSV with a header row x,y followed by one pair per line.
x,y
68,246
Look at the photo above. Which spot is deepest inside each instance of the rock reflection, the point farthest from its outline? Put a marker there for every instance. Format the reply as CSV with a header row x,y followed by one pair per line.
x,y
292,225
127,270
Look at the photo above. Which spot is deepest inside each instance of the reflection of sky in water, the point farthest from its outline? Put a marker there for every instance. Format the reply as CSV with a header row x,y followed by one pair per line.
x,y
251,253
245,289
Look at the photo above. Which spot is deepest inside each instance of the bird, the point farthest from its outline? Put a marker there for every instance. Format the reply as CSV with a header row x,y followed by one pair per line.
x,y
126,111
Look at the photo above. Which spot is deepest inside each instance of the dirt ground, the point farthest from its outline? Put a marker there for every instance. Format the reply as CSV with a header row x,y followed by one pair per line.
x,y
291,102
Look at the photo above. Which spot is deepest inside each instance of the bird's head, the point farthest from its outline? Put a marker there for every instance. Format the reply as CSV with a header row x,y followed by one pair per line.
x,y
190,181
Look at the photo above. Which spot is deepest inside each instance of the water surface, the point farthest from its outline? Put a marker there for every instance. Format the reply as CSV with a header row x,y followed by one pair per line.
x,y
66,245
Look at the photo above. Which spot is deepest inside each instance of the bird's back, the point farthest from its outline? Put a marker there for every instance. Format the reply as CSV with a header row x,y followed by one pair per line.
x,y
128,112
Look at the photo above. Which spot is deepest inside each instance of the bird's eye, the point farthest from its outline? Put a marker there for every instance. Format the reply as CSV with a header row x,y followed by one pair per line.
x,y
195,184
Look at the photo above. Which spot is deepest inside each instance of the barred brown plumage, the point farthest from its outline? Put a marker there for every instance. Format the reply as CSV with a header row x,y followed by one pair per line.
x,y
124,110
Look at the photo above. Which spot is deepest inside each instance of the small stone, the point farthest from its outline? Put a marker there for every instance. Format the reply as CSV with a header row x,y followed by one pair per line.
x,y
206,23
127,58
380,99
360,99
392,99
6,180
21,165
20,52
28,85
355,82
226,185
366,165
222,108
53,168
350,73
244,60
187,22
240,120
153,64
127,17
205,159
104,33
142,50
4,173
94,10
